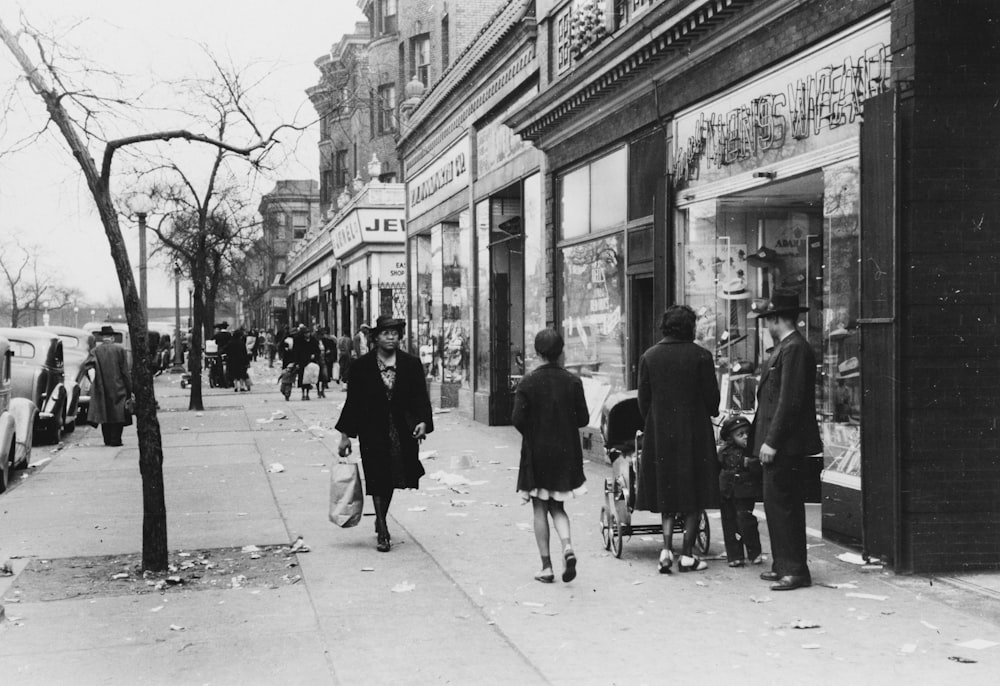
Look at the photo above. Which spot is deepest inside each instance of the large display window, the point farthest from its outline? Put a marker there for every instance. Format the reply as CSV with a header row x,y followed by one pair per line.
x,y
801,233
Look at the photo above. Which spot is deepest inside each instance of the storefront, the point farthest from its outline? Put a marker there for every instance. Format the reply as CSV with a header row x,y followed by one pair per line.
x,y
368,238
768,194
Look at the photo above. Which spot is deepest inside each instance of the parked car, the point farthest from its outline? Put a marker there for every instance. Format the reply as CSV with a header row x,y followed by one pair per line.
x,y
17,417
78,345
122,335
37,375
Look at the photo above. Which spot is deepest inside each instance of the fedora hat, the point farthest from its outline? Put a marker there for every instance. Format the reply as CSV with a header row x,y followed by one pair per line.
x,y
386,322
783,301
736,289
764,257
107,330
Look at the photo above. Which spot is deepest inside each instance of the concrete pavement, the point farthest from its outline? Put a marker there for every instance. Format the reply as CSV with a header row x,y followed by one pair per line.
x,y
454,602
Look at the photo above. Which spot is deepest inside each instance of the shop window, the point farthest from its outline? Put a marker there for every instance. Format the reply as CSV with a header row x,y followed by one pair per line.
x,y
593,317
483,339
535,277
593,197
646,168
455,306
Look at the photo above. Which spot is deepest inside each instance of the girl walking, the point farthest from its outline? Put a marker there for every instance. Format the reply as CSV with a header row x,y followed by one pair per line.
x,y
549,408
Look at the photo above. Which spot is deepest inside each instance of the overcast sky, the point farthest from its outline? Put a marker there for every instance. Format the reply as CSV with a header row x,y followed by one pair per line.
x,y
42,195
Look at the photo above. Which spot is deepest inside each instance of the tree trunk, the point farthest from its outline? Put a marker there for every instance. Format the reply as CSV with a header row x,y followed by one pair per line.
x,y
195,360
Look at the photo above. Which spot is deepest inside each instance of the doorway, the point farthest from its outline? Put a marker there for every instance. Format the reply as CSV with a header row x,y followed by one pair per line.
x,y
506,257
643,318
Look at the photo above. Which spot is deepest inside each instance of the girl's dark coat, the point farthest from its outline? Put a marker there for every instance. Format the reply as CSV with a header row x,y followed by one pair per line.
x,y
549,408
678,396
366,416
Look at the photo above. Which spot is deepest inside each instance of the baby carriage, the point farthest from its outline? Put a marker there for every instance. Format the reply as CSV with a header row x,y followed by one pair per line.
x,y
621,428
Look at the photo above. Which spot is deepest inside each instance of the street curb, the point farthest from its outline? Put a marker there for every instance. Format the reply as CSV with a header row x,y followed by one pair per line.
x,y
966,586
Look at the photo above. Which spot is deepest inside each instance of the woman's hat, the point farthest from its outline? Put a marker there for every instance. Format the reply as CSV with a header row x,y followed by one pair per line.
x,y
386,322
783,301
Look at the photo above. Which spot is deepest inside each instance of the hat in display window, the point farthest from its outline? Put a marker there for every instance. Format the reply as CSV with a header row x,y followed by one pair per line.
x,y
793,280
849,368
736,289
763,258
783,301
840,333
742,367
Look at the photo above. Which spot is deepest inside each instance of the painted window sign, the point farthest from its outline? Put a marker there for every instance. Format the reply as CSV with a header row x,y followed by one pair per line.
x,y
443,178
781,113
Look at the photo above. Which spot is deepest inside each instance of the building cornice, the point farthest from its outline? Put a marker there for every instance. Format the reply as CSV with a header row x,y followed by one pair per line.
x,y
625,58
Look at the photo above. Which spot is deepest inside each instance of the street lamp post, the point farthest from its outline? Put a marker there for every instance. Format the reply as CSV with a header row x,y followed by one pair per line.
x,y
141,205
45,314
178,367
76,317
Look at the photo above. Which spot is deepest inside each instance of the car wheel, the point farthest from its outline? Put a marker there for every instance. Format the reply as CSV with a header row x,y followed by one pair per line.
x,y
47,435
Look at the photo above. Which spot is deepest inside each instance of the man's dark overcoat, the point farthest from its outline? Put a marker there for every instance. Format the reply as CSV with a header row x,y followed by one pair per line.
x,y
678,396
368,411
549,409
112,385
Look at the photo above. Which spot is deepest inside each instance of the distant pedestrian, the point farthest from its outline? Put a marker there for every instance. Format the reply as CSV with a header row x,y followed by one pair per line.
x,y
785,433
739,491
549,409
238,362
111,388
345,355
678,472
287,380
310,378
389,410
361,343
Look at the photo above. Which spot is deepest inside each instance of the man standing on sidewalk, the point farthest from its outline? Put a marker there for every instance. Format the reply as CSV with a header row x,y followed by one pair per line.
x,y
112,387
785,433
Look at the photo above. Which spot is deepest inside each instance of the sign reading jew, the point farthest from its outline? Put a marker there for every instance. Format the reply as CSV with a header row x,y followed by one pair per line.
x,y
383,225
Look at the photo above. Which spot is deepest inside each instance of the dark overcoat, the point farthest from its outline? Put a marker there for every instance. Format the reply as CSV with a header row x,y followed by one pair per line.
x,y
549,409
368,411
678,396
112,385
786,400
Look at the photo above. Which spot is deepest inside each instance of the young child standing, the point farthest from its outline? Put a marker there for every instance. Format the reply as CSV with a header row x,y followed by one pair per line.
x,y
287,380
740,481
549,408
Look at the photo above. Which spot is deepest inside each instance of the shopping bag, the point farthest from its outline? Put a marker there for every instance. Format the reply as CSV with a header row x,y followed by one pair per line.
x,y
346,498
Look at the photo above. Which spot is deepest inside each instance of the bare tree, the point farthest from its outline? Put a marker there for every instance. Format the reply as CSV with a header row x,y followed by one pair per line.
x,y
77,113
30,284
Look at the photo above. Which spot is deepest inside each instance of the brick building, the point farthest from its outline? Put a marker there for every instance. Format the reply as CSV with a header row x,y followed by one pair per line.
x,y
708,152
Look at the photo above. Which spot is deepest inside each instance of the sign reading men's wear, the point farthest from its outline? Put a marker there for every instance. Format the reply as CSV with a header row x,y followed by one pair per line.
x,y
383,225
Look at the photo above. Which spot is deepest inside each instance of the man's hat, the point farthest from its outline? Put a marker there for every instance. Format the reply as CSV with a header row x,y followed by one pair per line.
x,y
107,330
222,325
849,368
732,423
385,322
764,257
783,301
736,289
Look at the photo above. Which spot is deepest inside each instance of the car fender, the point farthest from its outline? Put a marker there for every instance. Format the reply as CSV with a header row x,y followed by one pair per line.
x,y
73,395
56,399
23,411
7,429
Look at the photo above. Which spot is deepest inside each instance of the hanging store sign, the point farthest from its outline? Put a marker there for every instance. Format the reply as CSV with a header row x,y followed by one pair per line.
x,y
383,225
444,177
811,101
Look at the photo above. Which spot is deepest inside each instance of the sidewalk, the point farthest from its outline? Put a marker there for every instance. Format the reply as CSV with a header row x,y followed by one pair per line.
x,y
454,602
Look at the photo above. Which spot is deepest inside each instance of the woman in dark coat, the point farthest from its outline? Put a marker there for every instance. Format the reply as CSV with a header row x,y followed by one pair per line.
x,y
678,396
389,410
549,408
238,362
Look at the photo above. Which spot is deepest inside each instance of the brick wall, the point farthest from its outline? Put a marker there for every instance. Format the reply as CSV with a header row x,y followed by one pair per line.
x,y
949,199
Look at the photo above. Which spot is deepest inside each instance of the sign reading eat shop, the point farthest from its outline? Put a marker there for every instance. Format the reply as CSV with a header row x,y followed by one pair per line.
x,y
383,225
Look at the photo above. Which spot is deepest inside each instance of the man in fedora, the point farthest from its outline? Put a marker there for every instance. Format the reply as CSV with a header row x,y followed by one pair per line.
x,y
785,433
111,388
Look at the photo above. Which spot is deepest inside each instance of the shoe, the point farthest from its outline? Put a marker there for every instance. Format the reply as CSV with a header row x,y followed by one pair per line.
x,y
770,576
545,576
383,544
759,560
570,572
791,582
695,564
737,563
663,566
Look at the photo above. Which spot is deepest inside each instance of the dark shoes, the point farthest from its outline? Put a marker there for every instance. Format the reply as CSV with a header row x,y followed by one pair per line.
x,y
570,572
790,583
691,564
770,576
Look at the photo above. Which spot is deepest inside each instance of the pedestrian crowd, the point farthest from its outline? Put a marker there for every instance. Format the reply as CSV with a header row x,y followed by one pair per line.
x,y
682,469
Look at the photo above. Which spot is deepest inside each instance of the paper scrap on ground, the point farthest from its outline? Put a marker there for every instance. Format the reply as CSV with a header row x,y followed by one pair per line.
x,y
867,596
529,603
176,627
367,569
276,468
853,558
418,508
763,599
846,584
810,646
908,648
805,624
299,546
977,644
928,625
403,587
427,454
447,479
249,549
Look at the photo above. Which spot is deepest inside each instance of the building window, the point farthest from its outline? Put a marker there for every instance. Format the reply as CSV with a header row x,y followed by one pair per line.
x,y
420,58
445,56
278,226
593,197
385,17
340,173
300,224
386,108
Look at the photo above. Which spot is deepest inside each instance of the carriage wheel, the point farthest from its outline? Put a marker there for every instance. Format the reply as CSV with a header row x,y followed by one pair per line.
x,y
704,536
605,528
616,532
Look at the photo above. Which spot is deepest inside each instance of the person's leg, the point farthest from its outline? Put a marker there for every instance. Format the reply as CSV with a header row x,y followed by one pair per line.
x,y
560,520
112,433
666,561
540,510
730,526
746,522
381,503
785,512
688,562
